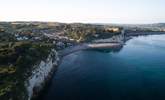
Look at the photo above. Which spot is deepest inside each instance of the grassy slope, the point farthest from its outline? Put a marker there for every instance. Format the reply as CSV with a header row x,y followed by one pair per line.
x,y
16,61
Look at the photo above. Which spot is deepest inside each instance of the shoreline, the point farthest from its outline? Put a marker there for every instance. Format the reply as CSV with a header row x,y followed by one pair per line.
x,y
106,45
86,46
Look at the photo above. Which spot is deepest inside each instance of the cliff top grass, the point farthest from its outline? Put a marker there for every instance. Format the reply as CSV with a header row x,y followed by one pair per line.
x,y
16,63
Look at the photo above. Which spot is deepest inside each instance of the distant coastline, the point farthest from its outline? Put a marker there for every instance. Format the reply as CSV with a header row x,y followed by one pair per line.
x,y
109,45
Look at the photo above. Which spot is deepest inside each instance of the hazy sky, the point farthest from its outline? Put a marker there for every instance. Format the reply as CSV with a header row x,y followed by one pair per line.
x,y
87,11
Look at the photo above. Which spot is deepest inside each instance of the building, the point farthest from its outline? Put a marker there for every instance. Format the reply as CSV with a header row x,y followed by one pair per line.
x,y
113,29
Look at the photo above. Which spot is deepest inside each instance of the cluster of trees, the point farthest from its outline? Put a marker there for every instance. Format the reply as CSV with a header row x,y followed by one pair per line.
x,y
6,37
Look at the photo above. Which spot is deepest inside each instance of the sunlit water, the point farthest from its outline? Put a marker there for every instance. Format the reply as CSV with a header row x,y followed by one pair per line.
x,y
136,72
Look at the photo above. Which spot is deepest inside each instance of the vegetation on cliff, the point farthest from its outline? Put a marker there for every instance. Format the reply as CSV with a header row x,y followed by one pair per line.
x,y
16,64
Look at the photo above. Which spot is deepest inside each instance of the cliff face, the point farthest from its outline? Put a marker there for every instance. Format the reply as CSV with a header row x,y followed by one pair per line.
x,y
41,74
116,39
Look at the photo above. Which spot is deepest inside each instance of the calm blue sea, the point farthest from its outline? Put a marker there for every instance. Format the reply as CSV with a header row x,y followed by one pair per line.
x,y
135,72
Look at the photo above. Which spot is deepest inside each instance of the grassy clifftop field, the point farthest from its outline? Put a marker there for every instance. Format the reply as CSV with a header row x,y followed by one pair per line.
x,y
16,64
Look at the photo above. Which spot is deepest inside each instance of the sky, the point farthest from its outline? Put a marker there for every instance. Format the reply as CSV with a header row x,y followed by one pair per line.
x,y
85,11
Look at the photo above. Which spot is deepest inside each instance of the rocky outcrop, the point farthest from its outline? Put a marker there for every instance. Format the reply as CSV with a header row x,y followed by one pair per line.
x,y
41,74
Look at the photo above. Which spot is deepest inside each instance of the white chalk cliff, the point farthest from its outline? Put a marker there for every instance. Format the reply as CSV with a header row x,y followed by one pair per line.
x,y
41,74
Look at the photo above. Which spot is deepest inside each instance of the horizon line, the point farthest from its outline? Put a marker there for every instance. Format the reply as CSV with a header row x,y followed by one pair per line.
x,y
81,22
